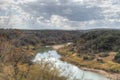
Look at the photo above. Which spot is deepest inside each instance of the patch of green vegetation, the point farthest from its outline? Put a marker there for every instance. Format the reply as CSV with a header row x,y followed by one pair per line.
x,y
104,54
89,58
98,41
43,49
117,57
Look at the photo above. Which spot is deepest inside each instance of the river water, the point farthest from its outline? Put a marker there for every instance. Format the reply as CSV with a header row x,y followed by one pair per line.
x,y
67,68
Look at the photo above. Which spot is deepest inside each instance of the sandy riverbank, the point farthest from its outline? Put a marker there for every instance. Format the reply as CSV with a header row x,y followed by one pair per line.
x,y
112,76
56,47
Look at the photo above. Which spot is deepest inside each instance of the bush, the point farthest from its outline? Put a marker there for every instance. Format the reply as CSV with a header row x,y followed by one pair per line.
x,y
100,60
104,54
117,57
85,58
88,57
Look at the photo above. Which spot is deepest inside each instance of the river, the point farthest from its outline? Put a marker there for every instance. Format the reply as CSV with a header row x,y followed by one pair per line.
x,y
67,68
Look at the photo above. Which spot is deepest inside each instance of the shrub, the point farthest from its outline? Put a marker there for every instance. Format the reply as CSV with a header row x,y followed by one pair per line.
x,y
88,57
85,58
44,71
104,54
100,60
117,57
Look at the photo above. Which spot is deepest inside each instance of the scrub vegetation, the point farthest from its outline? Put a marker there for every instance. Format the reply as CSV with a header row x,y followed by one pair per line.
x,y
99,49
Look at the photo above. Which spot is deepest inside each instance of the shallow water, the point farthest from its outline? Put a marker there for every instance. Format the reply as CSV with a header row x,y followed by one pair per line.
x,y
67,68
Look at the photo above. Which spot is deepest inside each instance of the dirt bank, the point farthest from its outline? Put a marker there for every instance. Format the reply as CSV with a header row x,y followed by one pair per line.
x,y
56,47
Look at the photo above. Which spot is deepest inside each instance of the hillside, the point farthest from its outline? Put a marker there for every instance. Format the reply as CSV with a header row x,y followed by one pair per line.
x,y
99,41
46,37
98,49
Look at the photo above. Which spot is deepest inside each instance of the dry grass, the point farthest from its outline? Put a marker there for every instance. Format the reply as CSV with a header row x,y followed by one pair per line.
x,y
107,65
15,64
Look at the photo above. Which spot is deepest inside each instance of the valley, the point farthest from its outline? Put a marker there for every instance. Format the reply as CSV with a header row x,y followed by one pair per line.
x,y
91,50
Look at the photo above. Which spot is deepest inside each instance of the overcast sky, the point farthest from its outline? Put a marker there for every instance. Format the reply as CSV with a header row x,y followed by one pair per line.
x,y
60,14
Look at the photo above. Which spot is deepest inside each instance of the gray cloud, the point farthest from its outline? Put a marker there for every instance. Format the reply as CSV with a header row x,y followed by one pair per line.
x,y
70,10
60,14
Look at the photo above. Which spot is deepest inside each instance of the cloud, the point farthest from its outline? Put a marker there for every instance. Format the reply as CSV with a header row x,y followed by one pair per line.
x,y
60,14
64,8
